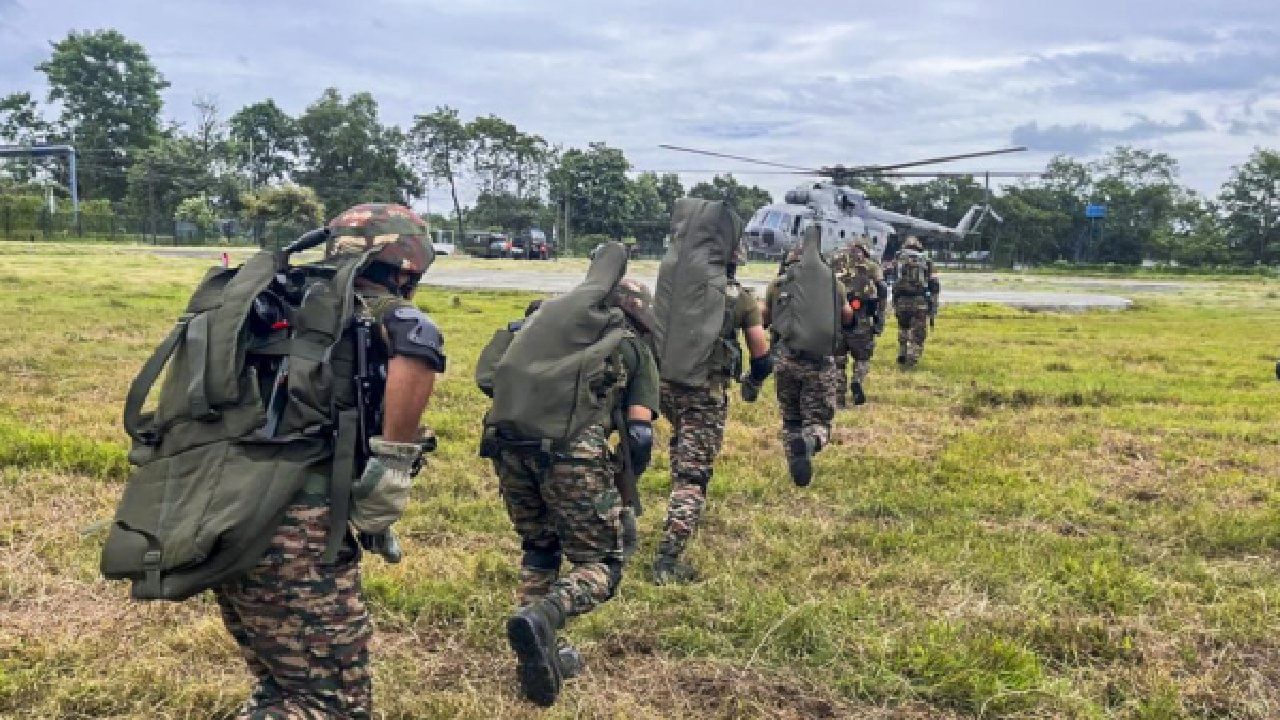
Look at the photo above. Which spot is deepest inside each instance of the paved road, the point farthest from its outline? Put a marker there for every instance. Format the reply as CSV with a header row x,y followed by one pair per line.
x,y
442,275
1052,293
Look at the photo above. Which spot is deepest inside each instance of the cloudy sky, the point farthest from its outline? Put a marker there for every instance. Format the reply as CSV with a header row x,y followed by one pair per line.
x,y
802,83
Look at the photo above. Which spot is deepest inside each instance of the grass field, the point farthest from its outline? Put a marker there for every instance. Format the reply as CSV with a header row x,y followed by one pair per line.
x,y
1067,516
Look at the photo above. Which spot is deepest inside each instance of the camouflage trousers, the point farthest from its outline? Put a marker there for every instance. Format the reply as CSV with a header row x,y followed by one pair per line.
x,y
301,624
569,509
806,397
861,345
697,418
913,327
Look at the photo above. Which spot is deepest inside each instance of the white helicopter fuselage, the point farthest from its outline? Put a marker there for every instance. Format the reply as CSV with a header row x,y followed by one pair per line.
x,y
844,214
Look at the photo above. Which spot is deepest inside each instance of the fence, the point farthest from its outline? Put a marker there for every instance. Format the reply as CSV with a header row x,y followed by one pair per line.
x,y
31,225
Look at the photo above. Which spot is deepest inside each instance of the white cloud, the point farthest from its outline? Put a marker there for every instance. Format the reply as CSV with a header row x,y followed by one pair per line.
x,y
808,85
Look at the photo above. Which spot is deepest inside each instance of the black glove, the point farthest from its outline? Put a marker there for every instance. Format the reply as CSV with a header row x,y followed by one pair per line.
x,y
761,368
639,444
750,388
383,543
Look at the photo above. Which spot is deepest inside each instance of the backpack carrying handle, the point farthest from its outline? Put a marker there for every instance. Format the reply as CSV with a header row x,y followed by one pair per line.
x,y
138,426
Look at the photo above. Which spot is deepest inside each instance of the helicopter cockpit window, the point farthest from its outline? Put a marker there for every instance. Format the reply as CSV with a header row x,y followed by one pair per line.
x,y
774,220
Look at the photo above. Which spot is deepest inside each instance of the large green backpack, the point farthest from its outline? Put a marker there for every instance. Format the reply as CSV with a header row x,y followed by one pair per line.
x,y
913,273
694,299
560,373
806,309
233,437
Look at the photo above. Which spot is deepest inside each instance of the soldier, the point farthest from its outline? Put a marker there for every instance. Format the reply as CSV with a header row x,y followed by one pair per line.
x,y
805,308
915,300
700,361
564,495
867,295
300,621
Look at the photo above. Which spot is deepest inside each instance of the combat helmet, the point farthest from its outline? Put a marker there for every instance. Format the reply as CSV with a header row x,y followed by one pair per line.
x,y
912,243
861,243
637,302
401,238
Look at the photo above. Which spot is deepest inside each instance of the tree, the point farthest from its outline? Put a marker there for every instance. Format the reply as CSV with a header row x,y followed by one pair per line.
x,y
744,200
266,142
110,97
1251,202
669,191
21,123
197,211
650,214
594,185
443,144
1140,189
351,157
165,174
290,206
505,211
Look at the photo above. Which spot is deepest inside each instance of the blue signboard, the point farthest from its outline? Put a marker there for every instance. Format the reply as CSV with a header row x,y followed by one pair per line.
x,y
1095,211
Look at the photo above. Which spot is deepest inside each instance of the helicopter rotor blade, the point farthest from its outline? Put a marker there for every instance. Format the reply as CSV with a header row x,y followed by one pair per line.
x,y
922,174
930,161
740,158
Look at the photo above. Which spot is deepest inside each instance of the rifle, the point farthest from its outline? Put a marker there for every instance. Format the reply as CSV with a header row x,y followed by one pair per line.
x,y
626,482
365,386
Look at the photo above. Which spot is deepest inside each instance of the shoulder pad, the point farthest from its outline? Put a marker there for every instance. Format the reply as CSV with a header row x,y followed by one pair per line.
x,y
414,334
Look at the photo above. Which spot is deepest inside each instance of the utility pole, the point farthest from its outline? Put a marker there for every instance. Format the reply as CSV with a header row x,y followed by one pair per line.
x,y
151,203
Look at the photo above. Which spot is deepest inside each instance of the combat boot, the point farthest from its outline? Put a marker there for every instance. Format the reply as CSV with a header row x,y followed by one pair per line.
x,y
570,661
532,635
859,397
668,569
800,449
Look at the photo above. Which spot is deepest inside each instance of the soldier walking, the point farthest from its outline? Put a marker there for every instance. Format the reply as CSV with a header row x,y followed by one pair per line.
x,y
563,381
867,294
915,300
806,310
701,309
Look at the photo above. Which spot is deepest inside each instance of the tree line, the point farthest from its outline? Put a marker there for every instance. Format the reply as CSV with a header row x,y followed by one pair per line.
x,y
262,165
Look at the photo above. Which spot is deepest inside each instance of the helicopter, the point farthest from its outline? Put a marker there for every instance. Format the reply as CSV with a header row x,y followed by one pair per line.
x,y
845,213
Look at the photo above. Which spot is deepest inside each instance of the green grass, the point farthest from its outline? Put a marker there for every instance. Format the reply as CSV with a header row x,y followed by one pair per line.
x,y
1065,516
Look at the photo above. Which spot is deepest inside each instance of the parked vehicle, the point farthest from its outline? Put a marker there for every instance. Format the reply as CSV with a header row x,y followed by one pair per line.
x,y
531,244
488,245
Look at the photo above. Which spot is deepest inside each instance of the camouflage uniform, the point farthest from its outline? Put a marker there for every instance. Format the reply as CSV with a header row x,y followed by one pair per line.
x,y
912,311
572,508
864,278
806,396
697,416
300,623
806,390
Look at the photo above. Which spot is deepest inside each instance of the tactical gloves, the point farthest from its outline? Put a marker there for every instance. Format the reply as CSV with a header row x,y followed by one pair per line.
x,y
380,495
384,543
761,368
639,444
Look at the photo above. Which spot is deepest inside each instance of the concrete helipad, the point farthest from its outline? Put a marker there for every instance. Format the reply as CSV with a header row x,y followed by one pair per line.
x,y
441,275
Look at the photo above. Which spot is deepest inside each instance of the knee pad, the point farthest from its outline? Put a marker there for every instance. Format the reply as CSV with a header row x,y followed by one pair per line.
x,y
541,555
701,478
